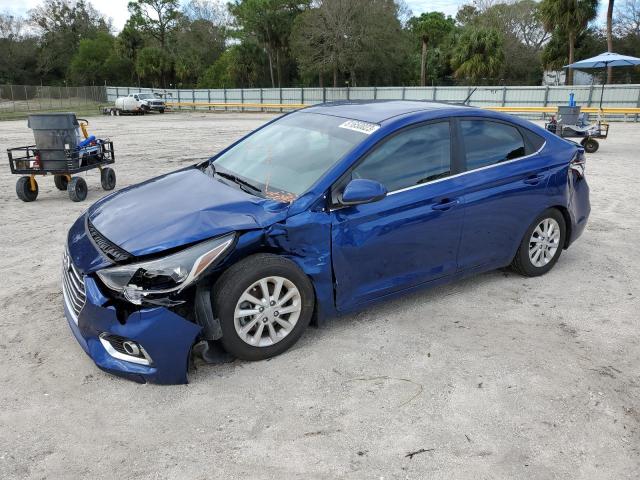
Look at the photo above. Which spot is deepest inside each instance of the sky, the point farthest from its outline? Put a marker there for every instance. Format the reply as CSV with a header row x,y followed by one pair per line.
x,y
117,9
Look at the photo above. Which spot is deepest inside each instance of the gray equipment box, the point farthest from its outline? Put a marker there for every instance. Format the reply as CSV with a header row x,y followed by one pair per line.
x,y
568,115
56,135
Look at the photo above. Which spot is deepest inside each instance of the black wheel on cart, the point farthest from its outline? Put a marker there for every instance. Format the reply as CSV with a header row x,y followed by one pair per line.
x,y
24,191
61,181
77,189
108,178
590,145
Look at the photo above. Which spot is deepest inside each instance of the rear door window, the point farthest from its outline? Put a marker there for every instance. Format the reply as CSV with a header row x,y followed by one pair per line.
x,y
413,156
489,143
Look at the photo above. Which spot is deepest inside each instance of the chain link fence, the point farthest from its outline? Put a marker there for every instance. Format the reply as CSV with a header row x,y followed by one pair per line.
x,y
18,100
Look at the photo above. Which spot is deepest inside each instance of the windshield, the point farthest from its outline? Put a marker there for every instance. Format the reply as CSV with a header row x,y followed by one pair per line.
x,y
146,96
287,157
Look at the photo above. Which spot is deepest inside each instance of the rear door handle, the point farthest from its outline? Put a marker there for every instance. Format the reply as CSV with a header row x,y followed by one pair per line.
x,y
445,205
533,179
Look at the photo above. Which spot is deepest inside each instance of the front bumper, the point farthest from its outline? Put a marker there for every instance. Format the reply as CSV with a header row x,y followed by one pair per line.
x,y
165,336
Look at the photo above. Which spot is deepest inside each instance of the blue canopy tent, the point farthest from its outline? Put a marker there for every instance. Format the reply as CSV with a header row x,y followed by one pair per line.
x,y
605,60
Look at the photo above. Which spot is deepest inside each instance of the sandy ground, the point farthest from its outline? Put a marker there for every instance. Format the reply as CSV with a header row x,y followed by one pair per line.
x,y
496,376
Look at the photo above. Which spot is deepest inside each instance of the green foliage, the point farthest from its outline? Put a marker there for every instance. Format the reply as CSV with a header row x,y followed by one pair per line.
x,y
269,23
359,41
62,24
236,67
568,18
264,43
153,64
478,55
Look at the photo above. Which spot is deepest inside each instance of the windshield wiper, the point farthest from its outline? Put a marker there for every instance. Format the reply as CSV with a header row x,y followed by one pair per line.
x,y
239,181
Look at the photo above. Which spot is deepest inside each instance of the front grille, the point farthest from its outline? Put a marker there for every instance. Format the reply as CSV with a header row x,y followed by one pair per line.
x,y
72,286
106,246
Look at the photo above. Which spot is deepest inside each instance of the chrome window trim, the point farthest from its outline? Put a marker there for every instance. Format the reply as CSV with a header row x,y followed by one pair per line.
x,y
468,171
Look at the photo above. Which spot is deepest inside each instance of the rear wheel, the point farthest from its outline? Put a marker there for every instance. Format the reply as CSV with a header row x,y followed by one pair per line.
x,y
541,245
264,304
61,181
24,191
108,178
161,110
77,189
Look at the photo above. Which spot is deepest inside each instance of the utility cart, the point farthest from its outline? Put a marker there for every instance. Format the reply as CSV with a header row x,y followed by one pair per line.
x,y
63,149
573,124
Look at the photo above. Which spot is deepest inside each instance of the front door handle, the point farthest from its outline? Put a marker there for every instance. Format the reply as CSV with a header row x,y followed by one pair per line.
x,y
533,179
445,205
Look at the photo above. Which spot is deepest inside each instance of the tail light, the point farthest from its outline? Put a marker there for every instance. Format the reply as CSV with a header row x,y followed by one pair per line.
x,y
578,163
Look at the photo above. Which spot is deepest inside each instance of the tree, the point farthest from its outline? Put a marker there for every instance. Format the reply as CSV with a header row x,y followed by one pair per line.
x,y
478,54
571,17
18,50
269,23
61,25
362,40
610,37
156,18
627,18
87,66
431,28
153,64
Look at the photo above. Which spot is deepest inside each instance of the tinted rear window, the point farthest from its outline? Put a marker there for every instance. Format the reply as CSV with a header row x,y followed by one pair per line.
x,y
487,143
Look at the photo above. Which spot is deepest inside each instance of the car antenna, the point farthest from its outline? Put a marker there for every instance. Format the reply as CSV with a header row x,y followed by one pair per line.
x,y
466,100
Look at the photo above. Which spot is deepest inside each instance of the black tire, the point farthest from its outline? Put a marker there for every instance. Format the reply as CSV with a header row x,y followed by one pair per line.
x,y
590,145
161,110
77,189
108,178
232,284
112,112
23,189
521,263
61,182
117,112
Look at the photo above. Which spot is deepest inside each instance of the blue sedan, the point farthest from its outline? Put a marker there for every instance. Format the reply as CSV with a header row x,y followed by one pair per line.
x,y
317,213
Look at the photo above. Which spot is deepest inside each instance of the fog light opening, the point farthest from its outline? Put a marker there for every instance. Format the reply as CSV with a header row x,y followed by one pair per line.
x,y
125,349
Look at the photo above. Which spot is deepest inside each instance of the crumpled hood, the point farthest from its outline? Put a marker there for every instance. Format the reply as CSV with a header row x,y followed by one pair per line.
x,y
179,208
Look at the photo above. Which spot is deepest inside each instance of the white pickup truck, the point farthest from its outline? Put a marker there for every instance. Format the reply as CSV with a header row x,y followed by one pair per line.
x,y
137,103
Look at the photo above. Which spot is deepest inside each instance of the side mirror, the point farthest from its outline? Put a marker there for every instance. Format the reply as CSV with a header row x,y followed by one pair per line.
x,y
360,190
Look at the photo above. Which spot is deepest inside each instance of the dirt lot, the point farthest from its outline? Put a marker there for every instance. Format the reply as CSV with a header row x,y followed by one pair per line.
x,y
496,376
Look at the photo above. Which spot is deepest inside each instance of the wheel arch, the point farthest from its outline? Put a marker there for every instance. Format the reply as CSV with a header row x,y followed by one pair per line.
x,y
567,224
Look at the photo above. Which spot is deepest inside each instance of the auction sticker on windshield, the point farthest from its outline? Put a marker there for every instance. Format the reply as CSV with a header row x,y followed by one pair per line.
x,y
359,126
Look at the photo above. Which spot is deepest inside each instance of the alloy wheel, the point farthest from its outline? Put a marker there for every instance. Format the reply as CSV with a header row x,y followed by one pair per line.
x,y
267,311
544,242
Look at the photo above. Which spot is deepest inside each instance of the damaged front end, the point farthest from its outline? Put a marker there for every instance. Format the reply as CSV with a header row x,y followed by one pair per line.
x,y
139,318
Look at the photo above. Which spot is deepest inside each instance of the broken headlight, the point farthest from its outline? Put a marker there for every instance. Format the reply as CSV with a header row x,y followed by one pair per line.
x,y
166,275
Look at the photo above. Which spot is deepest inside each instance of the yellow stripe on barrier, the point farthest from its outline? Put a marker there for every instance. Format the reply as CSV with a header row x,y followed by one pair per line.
x,y
238,105
523,109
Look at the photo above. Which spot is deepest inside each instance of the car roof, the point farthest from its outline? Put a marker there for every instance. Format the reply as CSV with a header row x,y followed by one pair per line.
x,y
377,111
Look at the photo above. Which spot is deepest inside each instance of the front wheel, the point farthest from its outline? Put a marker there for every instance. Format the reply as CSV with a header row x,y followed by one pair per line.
x,y
590,145
541,245
108,178
24,189
264,304
77,189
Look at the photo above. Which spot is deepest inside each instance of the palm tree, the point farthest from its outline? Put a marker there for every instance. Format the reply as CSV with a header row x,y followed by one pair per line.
x,y
570,17
478,54
610,38
430,28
